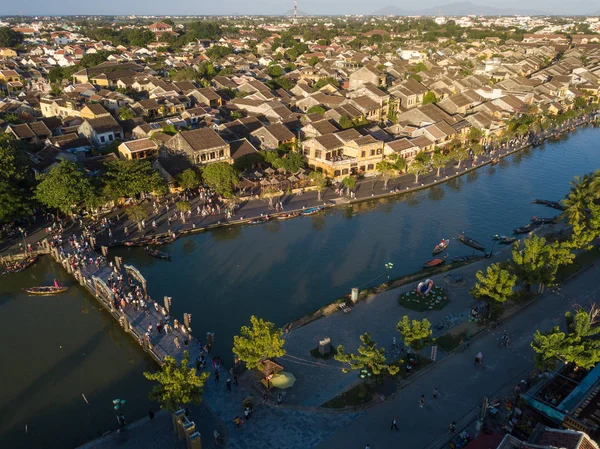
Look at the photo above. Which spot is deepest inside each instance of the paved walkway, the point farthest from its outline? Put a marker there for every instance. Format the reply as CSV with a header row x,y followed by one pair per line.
x,y
461,384
367,188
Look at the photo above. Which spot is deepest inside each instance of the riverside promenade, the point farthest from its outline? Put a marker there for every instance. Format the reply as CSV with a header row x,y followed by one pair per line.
x,y
250,208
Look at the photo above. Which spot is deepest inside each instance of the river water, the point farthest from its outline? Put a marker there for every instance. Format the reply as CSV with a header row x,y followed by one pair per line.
x,y
60,347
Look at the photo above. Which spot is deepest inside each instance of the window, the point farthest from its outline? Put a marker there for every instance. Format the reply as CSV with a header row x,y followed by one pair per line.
x,y
117,135
372,152
370,167
203,157
102,139
318,154
362,168
110,137
363,153
378,150
344,171
336,173
306,152
212,155
221,153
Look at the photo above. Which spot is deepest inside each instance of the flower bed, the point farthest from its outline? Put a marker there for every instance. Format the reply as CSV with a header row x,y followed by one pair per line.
x,y
435,300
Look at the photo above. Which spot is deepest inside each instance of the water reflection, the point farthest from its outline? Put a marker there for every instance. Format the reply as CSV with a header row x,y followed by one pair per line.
x,y
455,184
436,193
472,176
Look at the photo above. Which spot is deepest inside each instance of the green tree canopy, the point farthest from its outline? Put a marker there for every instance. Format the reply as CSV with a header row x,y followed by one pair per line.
x,y
126,113
459,154
137,213
414,333
349,182
345,122
497,284
290,161
416,168
368,356
221,177
537,261
64,188
316,109
579,345
320,181
387,169
10,38
429,97
131,178
188,179
439,161
177,384
259,342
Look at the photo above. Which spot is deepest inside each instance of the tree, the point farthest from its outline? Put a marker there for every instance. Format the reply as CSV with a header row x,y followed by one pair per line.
x,y
474,134
290,162
64,188
459,154
274,70
438,161
349,182
137,214
316,109
130,178
579,345
416,168
10,38
313,61
126,113
400,163
368,357
537,262
258,343
320,181
415,332
178,384
387,170
345,122
429,97
14,202
497,284
188,179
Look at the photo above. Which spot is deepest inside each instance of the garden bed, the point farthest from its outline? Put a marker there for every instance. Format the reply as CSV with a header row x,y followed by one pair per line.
x,y
436,299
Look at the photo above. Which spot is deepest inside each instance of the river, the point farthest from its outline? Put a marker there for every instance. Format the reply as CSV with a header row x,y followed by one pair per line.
x,y
278,271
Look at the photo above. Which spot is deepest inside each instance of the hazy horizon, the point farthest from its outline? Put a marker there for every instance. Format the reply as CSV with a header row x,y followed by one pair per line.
x,y
278,7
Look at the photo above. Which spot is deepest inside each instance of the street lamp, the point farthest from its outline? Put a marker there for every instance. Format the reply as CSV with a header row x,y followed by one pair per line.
x,y
389,267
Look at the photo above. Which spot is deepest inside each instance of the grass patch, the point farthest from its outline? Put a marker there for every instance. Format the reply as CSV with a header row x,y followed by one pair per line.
x,y
581,261
422,362
317,355
354,397
437,299
448,342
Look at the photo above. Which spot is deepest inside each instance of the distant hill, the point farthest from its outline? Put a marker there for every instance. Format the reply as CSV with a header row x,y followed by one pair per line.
x,y
457,9
391,11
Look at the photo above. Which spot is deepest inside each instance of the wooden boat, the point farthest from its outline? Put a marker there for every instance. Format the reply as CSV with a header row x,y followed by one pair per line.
x,y
472,243
543,220
312,210
504,239
287,216
553,204
158,254
46,290
526,229
20,265
441,246
259,220
433,263
162,240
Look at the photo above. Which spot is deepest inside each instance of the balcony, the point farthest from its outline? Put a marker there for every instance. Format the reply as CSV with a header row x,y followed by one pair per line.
x,y
338,161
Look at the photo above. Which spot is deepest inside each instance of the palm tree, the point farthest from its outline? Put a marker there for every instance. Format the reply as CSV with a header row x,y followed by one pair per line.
x,y
416,168
578,199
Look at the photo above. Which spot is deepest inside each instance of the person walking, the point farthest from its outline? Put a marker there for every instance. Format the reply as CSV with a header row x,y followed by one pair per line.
x,y
435,393
151,415
394,424
235,380
217,375
177,344
228,384
279,400
453,426
422,401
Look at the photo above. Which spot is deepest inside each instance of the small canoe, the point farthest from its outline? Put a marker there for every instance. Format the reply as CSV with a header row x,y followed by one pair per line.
x,y
21,265
433,263
441,246
162,240
45,290
259,220
287,216
470,242
542,220
504,239
158,254
553,204
312,210
526,229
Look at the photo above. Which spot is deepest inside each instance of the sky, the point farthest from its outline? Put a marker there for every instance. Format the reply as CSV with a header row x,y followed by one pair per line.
x,y
258,7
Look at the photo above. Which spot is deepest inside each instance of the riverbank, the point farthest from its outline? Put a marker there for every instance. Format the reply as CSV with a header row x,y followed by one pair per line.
x,y
367,189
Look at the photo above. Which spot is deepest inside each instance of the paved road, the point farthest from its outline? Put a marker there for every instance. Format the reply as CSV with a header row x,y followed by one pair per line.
x,y
461,384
